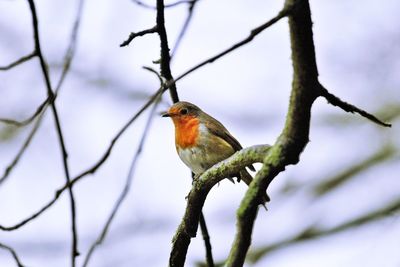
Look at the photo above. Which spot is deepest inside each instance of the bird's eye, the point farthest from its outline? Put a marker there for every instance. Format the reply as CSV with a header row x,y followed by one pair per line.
x,y
184,111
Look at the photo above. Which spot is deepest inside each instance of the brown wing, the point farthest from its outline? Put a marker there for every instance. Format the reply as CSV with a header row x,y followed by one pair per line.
x,y
219,130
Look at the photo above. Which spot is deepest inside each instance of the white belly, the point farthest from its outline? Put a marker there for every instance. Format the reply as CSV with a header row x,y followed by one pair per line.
x,y
192,157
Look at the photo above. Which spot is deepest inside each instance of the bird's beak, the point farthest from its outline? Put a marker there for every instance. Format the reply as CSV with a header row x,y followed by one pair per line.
x,y
165,114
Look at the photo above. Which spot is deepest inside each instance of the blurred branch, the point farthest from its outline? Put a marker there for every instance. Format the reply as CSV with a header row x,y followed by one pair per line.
x,y
142,4
126,188
200,189
19,61
313,232
295,135
88,171
21,151
133,35
51,97
336,101
42,108
191,6
13,253
28,120
333,182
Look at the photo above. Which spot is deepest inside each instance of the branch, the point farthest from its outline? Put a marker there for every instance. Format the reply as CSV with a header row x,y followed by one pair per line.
x,y
51,96
19,61
22,150
13,253
42,108
133,35
126,188
28,120
90,170
333,182
256,31
142,4
336,101
197,196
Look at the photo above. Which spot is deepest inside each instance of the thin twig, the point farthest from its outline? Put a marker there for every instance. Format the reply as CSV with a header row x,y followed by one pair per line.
x,y
19,61
90,170
336,101
316,232
51,96
207,242
21,151
142,4
133,35
165,56
283,13
42,108
185,26
28,120
13,253
126,188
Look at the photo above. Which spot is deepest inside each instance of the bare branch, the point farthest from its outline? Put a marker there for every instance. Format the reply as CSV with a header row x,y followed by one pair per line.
x,y
42,108
333,182
51,96
13,253
283,13
126,188
19,61
28,120
21,151
133,35
315,232
336,101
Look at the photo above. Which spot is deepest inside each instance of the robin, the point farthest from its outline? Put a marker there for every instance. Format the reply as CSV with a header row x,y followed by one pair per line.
x,y
202,141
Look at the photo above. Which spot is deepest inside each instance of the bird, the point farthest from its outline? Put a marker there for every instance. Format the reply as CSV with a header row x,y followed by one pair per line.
x,y
201,141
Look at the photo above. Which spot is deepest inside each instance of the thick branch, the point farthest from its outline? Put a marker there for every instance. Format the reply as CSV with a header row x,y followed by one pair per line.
x,y
185,26
294,136
197,196
336,101
133,35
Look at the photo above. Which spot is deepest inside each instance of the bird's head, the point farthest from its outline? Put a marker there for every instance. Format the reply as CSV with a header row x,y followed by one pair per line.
x,y
182,112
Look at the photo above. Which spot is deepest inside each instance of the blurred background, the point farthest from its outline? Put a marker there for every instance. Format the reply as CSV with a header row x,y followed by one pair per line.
x,y
339,206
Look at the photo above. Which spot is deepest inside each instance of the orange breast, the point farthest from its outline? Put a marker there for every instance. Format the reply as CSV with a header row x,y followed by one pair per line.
x,y
186,131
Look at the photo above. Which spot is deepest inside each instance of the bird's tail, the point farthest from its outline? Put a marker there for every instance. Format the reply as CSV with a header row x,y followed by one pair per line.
x,y
247,178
